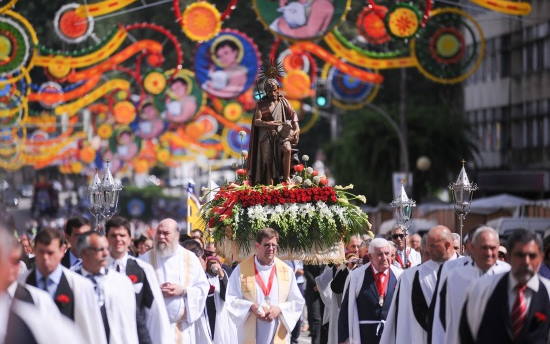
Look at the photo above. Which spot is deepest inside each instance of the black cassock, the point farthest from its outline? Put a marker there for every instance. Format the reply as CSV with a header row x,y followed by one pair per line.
x,y
368,309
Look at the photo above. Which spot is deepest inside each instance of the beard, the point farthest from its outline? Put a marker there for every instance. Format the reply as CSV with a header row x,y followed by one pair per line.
x,y
165,249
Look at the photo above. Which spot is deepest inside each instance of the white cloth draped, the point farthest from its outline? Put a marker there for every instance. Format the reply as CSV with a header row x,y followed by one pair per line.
x,y
120,305
457,282
354,283
183,268
238,307
157,321
323,285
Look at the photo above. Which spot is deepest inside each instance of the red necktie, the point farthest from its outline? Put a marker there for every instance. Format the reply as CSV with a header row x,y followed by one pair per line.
x,y
519,310
380,283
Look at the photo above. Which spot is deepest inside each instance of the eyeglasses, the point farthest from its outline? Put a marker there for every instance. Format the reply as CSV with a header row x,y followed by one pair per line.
x,y
398,236
270,245
98,249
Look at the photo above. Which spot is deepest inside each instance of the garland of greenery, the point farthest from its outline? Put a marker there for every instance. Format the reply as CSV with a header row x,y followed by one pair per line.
x,y
306,212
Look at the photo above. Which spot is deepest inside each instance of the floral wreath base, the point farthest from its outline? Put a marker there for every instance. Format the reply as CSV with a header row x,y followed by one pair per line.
x,y
312,219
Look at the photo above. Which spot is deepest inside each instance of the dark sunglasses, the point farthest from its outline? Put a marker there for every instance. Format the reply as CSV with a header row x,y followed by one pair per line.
x,y
398,236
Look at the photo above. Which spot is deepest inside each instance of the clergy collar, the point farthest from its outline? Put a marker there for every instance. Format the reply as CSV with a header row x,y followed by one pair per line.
x,y
532,284
263,267
102,272
55,276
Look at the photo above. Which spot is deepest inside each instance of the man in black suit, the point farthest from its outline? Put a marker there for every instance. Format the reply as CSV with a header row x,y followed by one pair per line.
x,y
368,297
513,307
74,227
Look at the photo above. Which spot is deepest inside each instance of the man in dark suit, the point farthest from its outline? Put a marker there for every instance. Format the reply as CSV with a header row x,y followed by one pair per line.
x,y
74,227
368,297
513,307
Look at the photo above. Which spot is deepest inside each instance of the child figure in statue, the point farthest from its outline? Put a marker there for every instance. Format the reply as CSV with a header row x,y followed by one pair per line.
x,y
275,130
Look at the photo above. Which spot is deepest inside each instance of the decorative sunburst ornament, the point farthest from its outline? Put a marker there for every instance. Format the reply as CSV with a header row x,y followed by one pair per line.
x,y
270,75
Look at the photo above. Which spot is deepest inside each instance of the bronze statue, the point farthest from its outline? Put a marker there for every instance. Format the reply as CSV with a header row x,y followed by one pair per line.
x,y
275,130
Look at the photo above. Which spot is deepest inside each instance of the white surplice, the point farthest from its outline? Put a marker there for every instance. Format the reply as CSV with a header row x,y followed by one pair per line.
x,y
120,304
239,308
156,316
182,268
334,310
40,298
47,325
455,287
407,325
323,285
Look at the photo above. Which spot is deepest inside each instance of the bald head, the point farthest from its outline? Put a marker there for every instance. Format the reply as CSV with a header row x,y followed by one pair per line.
x,y
167,237
440,243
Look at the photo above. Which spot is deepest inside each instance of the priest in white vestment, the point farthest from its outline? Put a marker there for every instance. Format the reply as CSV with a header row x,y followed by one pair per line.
x,y
114,291
73,294
453,286
182,281
513,307
412,309
152,319
263,299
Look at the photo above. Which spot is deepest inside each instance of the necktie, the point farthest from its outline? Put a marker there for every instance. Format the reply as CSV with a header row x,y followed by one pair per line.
x,y
45,283
519,310
117,267
101,301
380,283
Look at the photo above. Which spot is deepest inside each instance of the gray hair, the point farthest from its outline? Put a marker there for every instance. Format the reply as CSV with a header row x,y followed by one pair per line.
x,y
7,244
456,236
83,242
378,243
366,242
482,230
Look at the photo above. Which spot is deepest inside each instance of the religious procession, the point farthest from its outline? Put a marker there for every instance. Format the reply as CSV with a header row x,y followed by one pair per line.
x,y
274,172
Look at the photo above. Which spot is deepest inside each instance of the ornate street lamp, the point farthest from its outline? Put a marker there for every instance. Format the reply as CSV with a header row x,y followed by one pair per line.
x,y
462,191
104,193
402,208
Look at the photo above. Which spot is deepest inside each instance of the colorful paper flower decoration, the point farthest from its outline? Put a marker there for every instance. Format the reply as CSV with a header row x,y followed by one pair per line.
x,y
201,21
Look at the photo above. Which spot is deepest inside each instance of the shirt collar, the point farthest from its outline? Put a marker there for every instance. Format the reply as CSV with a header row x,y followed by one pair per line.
x,y
72,258
532,284
122,261
376,271
262,267
55,276
86,273
11,289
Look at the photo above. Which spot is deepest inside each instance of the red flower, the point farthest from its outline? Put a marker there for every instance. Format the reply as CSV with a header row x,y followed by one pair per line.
x,y
323,181
241,172
298,168
541,317
212,289
314,173
133,278
63,298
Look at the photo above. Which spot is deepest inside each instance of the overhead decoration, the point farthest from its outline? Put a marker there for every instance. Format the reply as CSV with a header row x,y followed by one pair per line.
x,y
451,46
71,26
515,8
226,65
298,21
123,91
403,20
201,21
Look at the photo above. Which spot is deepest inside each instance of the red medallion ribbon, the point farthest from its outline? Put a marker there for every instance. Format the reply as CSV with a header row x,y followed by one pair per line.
x,y
265,290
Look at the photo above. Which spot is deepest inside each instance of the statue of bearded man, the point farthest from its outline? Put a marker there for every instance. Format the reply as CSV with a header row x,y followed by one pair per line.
x,y
275,129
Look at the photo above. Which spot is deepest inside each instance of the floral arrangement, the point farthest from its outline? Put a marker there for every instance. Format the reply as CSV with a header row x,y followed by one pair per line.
x,y
307,213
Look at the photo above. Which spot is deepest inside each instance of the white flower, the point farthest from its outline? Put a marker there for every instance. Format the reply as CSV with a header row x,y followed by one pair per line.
x,y
305,158
308,182
297,179
316,179
244,153
309,170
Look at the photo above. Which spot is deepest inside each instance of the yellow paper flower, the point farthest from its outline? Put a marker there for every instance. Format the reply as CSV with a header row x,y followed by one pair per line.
x,y
201,21
105,131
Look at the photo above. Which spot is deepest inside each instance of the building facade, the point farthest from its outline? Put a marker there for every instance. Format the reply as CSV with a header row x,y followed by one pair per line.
x,y
507,101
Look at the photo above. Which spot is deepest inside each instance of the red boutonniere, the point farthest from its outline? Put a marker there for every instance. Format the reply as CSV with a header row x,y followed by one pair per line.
x,y
212,289
63,298
541,317
133,278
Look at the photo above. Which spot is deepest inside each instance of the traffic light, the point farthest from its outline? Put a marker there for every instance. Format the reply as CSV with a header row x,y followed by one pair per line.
x,y
322,95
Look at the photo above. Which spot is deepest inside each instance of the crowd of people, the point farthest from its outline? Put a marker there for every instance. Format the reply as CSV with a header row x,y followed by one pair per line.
x,y
84,286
